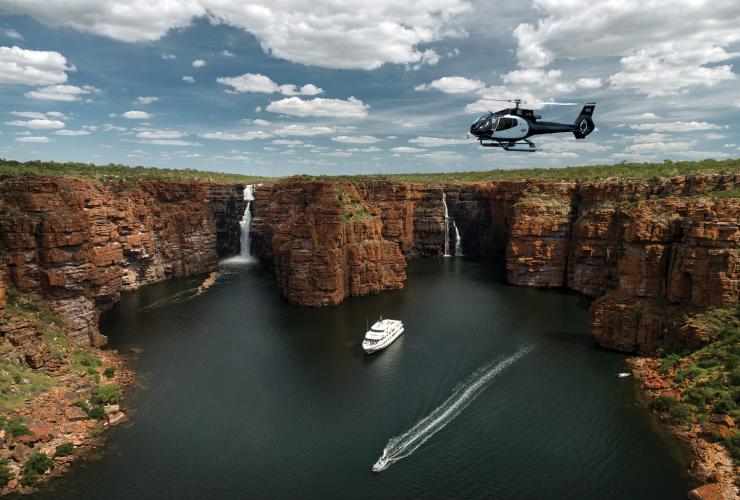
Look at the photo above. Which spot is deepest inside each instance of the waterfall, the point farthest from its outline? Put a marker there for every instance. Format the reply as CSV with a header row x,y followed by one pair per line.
x,y
245,225
447,225
458,242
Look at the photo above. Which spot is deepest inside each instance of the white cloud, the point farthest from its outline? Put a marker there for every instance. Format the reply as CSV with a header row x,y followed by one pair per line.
x,y
227,53
167,57
648,116
169,142
338,108
260,122
32,67
36,114
199,63
65,93
160,134
37,123
286,142
407,149
32,138
659,147
137,115
452,85
188,78
72,133
146,100
677,126
713,136
325,33
437,141
589,83
356,139
303,131
661,53
11,33
109,127
235,136
255,82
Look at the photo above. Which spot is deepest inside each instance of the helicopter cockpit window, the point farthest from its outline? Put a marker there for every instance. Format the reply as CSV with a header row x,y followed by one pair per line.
x,y
505,123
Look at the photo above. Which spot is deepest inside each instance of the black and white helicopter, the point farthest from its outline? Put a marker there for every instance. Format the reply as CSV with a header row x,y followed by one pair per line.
x,y
511,127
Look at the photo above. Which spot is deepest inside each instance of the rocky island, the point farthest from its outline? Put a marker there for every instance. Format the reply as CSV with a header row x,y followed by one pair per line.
x,y
659,254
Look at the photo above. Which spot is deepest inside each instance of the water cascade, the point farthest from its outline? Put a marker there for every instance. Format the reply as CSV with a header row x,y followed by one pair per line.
x,y
458,242
464,393
245,225
447,225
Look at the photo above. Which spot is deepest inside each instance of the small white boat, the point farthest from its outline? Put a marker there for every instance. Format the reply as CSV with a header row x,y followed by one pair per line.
x,y
623,374
382,334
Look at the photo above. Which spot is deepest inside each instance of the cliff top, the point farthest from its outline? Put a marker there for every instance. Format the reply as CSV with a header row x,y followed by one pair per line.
x,y
589,172
116,171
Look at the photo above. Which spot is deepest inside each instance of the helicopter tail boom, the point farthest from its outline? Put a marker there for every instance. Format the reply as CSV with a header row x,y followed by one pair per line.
x,y
584,125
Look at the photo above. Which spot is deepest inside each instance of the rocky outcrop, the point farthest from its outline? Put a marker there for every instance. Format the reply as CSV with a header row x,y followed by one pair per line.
x,y
326,243
639,247
78,244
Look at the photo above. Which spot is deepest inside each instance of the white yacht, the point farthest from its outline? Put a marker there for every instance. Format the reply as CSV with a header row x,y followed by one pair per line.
x,y
382,334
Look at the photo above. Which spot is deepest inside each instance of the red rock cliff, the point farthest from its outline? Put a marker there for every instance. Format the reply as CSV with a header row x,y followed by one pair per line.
x,y
78,244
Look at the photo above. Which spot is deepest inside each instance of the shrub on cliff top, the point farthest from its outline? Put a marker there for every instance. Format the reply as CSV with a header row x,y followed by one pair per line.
x,y
733,445
106,394
663,403
681,413
16,427
38,463
64,450
109,372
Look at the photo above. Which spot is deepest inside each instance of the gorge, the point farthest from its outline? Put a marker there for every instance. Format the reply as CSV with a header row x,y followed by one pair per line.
x,y
652,253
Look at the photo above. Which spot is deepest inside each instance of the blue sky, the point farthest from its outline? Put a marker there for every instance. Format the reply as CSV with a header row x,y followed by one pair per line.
x,y
328,87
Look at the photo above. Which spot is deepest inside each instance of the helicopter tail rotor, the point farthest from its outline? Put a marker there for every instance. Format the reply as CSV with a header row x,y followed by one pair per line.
x,y
584,125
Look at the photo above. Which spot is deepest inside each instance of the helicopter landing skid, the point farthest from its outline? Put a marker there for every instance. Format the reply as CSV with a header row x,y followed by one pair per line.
x,y
511,146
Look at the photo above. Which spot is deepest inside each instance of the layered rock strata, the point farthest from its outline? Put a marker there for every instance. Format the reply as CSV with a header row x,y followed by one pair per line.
x,y
78,244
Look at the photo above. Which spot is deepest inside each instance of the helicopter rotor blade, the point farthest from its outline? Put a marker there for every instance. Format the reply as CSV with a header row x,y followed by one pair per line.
x,y
558,104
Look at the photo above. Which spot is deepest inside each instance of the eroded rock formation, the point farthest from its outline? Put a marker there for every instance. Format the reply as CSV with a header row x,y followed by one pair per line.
x,y
78,244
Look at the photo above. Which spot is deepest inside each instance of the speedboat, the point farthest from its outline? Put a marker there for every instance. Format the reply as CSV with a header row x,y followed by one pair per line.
x,y
382,334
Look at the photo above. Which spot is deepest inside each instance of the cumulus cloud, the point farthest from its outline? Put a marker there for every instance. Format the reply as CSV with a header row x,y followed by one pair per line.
x,y
325,33
160,134
255,82
137,115
235,136
32,67
11,33
199,63
37,123
303,131
356,139
169,142
437,141
338,108
168,57
452,85
146,100
188,78
661,54
286,142
227,53
65,93
32,138
677,126
407,150
72,133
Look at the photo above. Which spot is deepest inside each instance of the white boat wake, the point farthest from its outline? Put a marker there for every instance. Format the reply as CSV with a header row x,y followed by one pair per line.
x,y
464,393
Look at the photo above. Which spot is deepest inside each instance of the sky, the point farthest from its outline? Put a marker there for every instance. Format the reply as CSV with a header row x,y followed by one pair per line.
x,y
283,87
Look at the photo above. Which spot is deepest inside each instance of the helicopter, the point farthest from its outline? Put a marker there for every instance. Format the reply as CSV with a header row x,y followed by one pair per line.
x,y
511,127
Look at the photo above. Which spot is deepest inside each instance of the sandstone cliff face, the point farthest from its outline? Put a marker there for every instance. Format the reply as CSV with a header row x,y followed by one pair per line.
x,y
649,249
325,242
78,244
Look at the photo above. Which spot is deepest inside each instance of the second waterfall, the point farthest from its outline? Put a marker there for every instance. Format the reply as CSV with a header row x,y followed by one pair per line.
x,y
458,242
245,225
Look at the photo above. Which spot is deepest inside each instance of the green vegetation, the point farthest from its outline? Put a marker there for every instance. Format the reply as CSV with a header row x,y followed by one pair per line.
x,y
116,171
64,450
85,362
15,426
5,474
109,372
592,172
18,384
352,209
708,379
106,394
96,411
37,464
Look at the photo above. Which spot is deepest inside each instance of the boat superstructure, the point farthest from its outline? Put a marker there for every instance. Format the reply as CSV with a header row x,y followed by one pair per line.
x,y
381,334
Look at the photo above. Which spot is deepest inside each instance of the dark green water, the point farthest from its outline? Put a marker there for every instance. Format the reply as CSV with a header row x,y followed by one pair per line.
x,y
248,397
